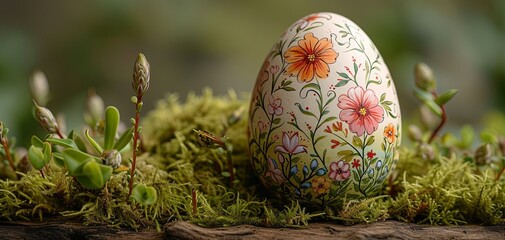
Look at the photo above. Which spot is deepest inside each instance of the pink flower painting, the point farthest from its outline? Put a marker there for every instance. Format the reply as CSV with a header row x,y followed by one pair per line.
x,y
339,171
361,110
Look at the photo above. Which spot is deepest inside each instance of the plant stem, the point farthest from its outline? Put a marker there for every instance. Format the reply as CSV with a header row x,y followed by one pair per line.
x,y
5,144
500,173
193,201
135,141
442,123
42,173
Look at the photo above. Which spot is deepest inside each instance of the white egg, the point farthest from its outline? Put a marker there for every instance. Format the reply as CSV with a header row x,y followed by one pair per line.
x,y
324,120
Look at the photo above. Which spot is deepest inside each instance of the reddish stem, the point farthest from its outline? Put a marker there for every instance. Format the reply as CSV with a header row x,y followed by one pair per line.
x,y
500,173
59,133
442,121
135,141
193,201
5,144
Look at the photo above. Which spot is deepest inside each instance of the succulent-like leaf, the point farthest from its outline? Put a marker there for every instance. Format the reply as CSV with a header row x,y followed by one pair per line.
x,y
446,97
125,138
93,143
37,142
434,107
74,160
423,96
111,124
94,175
66,143
36,157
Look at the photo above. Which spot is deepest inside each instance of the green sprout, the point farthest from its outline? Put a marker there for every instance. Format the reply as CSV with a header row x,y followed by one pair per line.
x,y
426,92
140,84
4,142
145,195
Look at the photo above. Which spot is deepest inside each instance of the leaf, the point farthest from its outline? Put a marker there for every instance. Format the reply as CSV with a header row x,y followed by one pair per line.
x,y
289,89
320,172
111,124
36,157
341,83
370,141
304,111
357,142
276,121
66,143
37,142
423,96
319,139
94,175
75,159
347,155
93,143
125,138
305,170
383,97
355,67
306,185
434,108
344,75
145,195
446,97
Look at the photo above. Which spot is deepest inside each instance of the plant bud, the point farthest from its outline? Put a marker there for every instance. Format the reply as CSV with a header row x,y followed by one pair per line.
x,y
95,106
424,77
483,154
427,152
1,131
112,158
141,75
39,88
46,118
415,133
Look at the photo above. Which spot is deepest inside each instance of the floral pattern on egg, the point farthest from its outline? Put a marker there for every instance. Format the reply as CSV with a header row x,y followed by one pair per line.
x,y
324,116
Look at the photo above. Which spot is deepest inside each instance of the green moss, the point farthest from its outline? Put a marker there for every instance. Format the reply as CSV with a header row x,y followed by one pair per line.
x,y
434,184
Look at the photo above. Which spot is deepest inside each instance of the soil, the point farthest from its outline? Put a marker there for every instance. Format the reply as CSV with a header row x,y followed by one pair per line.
x,y
62,229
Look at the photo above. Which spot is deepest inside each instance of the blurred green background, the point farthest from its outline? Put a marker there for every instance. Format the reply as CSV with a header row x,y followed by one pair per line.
x,y
222,44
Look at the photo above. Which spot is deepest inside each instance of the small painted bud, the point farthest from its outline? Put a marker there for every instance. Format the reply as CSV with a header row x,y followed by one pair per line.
x,y
95,106
46,118
424,77
39,88
141,75
483,154
112,158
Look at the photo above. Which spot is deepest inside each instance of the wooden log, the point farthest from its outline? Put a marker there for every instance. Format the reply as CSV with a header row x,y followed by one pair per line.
x,y
58,228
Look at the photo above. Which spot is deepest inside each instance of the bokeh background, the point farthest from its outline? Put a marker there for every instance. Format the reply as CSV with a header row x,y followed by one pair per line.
x,y
221,44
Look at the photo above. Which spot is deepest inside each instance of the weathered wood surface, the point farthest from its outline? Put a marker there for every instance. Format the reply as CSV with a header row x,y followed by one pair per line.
x,y
61,229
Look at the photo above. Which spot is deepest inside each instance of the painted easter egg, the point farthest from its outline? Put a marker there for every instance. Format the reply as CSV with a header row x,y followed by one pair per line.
x,y
324,118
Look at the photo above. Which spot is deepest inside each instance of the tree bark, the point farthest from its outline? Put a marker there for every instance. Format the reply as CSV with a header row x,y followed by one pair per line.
x,y
58,228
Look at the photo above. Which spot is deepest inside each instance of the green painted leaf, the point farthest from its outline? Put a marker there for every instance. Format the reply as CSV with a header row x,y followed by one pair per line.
x,y
289,89
383,97
342,83
344,75
357,142
347,155
276,121
304,111
370,141
111,124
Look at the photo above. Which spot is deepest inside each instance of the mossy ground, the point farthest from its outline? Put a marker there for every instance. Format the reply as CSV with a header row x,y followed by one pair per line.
x,y
448,188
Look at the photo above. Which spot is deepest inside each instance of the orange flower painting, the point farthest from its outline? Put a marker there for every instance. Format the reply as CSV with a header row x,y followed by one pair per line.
x,y
390,133
310,58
